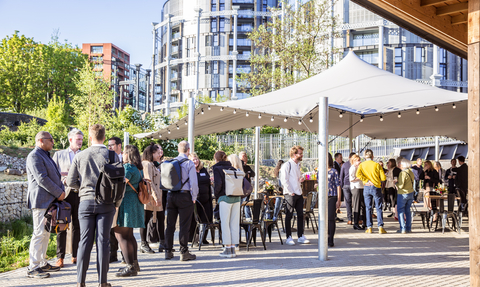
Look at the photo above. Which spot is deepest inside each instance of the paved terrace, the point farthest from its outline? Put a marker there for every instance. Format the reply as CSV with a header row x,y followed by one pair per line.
x,y
358,259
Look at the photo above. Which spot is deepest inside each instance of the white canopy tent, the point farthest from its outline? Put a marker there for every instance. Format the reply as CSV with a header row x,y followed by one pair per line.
x,y
352,87
376,102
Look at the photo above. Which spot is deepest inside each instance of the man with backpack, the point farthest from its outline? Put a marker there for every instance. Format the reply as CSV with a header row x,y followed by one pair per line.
x,y
96,210
179,179
44,186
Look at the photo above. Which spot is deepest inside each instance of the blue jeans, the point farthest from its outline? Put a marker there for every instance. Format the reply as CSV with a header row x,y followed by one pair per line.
x,y
95,219
371,193
404,202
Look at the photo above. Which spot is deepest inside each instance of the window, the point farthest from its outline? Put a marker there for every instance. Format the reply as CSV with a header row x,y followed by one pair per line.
x,y
215,67
214,7
213,95
208,40
96,49
214,25
442,59
222,7
222,25
208,67
215,40
420,54
398,55
365,39
97,59
98,66
398,61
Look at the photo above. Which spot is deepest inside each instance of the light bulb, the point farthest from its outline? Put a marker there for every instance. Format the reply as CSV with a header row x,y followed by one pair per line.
x,y
259,116
286,119
186,123
454,106
160,136
311,119
361,119
209,108
299,122
169,132
221,109
436,108
341,115
235,111
247,114
178,127
418,111
399,115
272,119
381,118
203,112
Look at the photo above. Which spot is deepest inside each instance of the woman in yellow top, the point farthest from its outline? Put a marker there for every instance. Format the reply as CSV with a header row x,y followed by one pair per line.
x,y
405,196
372,175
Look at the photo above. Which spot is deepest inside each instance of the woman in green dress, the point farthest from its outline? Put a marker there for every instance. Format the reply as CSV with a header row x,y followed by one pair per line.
x,y
130,212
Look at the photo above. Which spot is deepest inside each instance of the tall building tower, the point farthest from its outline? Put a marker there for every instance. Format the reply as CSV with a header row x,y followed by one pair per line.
x,y
222,44
114,64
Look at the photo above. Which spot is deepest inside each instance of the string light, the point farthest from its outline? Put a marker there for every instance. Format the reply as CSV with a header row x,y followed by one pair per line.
x,y
259,116
209,108
436,108
178,127
381,118
311,119
247,114
341,115
399,115
160,136
272,119
361,118
169,132
418,111
235,111
203,112
186,123
221,109
286,119
454,106
299,122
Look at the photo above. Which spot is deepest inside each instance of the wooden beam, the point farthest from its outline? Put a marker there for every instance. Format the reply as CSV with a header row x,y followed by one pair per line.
x,y
426,3
451,9
460,19
474,139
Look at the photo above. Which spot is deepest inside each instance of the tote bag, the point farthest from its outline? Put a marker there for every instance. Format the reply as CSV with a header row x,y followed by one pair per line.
x,y
233,182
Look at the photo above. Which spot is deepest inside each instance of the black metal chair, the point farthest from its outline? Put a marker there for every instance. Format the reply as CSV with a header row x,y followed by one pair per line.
x,y
268,223
424,214
462,208
450,213
309,214
252,226
203,226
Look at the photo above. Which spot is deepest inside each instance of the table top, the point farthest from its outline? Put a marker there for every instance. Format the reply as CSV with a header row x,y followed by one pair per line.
x,y
439,196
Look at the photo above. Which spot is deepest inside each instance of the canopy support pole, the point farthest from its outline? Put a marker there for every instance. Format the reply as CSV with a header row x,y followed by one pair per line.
x,y
322,178
350,133
191,123
257,158
126,138
437,148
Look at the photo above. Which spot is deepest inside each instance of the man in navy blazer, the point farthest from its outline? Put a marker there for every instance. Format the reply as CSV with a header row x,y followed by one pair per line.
x,y
44,186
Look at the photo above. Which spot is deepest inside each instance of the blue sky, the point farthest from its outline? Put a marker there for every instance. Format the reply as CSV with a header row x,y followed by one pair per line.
x,y
124,23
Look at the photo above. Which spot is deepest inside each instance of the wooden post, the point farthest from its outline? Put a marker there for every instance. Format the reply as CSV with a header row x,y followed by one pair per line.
x,y
474,138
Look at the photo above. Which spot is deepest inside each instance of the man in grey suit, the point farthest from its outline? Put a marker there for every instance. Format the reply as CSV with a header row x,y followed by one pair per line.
x,y
44,186
95,218
63,159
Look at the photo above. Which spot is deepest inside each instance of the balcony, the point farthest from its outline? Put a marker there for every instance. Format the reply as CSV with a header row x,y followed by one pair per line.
x,y
241,42
243,2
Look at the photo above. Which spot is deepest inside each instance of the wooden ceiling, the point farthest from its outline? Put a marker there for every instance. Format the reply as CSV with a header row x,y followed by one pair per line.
x,y
441,22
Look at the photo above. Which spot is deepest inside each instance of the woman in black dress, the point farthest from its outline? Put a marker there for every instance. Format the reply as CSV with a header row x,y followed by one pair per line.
x,y
204,195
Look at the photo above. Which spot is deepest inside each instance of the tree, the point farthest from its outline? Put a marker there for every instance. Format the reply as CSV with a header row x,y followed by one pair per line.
x,y
20,74
57,116
300,47
91,105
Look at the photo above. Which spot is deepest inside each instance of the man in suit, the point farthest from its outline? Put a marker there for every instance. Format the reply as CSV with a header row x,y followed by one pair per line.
x,y
95,218
63,159
44,186
461,181
115,144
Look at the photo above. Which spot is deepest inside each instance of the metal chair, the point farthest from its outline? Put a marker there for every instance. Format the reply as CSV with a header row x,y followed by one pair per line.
x,y
268,223
425,215
203,226
309,213
251,227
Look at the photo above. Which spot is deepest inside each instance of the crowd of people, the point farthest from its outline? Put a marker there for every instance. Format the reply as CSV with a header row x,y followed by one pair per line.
x,y
72,175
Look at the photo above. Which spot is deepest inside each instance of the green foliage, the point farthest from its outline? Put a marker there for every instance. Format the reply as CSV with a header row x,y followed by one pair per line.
x,y
91,104
207,145
300,44
57,115
204,99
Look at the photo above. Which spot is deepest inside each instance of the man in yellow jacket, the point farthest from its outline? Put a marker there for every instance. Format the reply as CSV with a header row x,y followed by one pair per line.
x,y
372,175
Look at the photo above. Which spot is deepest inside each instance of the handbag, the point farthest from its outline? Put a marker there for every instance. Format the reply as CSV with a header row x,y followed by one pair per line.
x,y
143,190
247,188
234,182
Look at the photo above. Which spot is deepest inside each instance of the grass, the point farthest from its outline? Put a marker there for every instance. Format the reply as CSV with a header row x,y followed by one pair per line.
x,y
15,242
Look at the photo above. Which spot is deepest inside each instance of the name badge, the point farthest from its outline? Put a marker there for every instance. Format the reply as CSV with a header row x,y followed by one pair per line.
x,y
203,174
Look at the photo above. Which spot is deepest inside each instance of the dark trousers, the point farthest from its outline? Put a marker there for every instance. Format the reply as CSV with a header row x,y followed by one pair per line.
x,y
95,219
332,208
179,204
347,192
74,201
358,206
294,203
416,189
113,245
156,230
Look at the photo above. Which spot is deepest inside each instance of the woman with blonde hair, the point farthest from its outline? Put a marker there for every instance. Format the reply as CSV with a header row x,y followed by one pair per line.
x,y
204,196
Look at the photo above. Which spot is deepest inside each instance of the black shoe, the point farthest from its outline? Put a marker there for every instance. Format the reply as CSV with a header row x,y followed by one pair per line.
x,y
390,215
338,219
37,273
331,245
50,268
168,255
357,227
205,242
187,256
127,272
113,259
161,247
145,248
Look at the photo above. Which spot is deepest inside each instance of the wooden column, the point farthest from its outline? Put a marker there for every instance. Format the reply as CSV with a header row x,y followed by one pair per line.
x,y
474,138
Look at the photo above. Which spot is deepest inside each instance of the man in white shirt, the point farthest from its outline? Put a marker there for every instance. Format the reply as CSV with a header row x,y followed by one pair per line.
x,y
115,144
63,159
291,178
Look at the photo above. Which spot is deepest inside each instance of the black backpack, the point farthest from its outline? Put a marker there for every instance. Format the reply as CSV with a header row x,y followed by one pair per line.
x,y
111,182
172,175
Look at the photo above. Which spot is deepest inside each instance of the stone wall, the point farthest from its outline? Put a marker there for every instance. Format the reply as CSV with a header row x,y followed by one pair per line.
x,y
13,200
12,120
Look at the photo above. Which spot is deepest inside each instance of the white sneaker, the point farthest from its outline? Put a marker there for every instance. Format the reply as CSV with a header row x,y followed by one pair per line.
x,y
303,240
290,241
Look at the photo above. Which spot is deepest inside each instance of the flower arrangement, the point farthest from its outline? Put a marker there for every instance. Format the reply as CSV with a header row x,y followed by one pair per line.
x,y
269,186
441,189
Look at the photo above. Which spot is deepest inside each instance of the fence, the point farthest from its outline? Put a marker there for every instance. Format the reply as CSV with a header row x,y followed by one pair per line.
x,y
13,200
277,146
